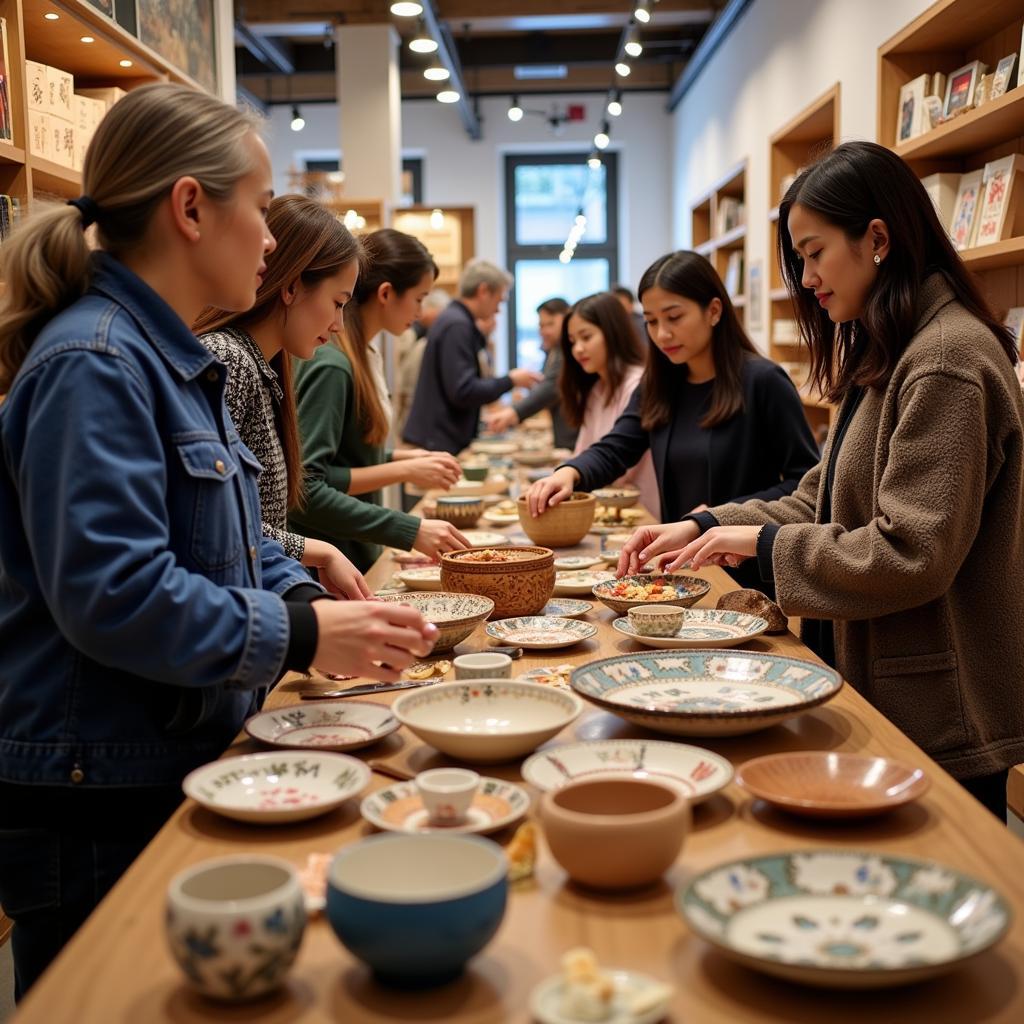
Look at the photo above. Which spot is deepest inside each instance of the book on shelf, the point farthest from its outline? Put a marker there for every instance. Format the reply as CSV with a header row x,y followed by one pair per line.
x,y
734,273
912,120
729,214
1015,321
1001,195
942,190
6,110
965,212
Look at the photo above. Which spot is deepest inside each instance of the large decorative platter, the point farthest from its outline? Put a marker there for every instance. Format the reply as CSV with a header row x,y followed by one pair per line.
x,y
702,627
343,725
699,773
569,584
541,632
843,918
705,692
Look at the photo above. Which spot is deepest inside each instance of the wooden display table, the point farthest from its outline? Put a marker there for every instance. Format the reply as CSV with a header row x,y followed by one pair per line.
x,y
118,969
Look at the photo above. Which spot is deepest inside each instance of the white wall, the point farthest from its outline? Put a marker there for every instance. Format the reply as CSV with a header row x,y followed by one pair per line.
x,y
781,55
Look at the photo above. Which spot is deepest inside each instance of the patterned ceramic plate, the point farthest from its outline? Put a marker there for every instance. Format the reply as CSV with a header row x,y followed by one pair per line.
x,y
556,676
577,561
427,577
632,990
705,693
277,786
843,918
570,583
540,632
398,808
500,518
700,773
485,538
702,627
345,725
567,608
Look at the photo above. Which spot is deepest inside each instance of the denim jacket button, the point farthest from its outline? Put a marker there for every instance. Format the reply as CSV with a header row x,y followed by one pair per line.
x,y
211,376
77,775
220,467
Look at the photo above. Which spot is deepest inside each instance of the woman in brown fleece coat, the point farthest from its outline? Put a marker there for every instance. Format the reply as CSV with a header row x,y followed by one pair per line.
x,y
902,549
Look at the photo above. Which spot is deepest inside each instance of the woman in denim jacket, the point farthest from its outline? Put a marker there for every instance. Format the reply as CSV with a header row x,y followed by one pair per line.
x,y
140,607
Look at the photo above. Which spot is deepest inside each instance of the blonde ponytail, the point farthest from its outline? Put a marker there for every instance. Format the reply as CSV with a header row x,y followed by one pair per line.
x,y
157,134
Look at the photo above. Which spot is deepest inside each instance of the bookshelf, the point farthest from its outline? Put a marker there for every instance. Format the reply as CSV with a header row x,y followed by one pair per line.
x,y
449,232
719,232
946,36
794,146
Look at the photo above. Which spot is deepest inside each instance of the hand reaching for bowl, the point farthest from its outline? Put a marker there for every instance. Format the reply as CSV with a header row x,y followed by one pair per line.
x,y
435,537
550,490
438,469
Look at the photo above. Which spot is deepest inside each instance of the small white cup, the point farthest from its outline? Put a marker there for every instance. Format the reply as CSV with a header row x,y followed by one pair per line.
x,y
483,666
447,793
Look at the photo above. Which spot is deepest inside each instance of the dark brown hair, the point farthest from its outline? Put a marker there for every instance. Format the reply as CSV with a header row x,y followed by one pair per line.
x,y
389,257
553,307
691,276
851,186
312,244
622,346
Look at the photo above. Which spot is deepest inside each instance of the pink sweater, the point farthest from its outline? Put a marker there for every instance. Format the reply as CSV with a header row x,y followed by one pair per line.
x,y
599,417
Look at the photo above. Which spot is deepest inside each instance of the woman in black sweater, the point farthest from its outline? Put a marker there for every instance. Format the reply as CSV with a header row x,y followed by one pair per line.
x,y
721,422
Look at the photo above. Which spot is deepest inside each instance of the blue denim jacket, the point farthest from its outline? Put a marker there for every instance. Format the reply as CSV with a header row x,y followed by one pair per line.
x,y
140,607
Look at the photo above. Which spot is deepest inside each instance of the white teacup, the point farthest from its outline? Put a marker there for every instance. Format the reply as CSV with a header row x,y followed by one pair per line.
x,y
483,666
234,924
447,793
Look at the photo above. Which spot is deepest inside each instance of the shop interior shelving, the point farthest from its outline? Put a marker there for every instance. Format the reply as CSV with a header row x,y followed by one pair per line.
x,y
718,246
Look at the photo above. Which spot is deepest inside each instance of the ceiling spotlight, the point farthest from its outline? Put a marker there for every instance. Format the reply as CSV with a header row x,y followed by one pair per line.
x,y
633,45
423,42
298,121
615,104
643,11
51,16
594,162
448,96
406,9
622,68
515,112
88,39
436,72
601,139
126,63
437,219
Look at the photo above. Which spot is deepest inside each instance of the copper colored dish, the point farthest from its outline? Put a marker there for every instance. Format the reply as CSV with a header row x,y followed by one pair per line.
x,y
830,784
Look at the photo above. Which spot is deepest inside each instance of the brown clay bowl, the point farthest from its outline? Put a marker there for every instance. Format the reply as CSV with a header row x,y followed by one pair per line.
x,y
521,586
461,512
832,784
561,526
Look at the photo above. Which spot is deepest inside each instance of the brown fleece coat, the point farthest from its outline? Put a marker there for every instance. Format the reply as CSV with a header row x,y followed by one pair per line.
x,y
922,565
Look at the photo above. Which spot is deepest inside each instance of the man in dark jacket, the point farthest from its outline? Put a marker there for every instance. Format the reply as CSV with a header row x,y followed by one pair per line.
x,y
451,391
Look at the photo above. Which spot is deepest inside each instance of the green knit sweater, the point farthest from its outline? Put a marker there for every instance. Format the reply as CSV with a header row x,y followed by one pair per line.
x,y
332,444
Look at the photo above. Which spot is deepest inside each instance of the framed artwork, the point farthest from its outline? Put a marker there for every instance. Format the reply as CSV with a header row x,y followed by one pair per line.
x,y
181,31
912,119
1000,195
121,11
1005,76
961,86
965,213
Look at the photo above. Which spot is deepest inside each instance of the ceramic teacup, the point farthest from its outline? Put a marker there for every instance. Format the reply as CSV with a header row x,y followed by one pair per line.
x,y
476,473
447,793
651,621
483,666
234,924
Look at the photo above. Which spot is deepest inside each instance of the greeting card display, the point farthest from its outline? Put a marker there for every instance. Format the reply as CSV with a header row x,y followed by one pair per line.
x,y
965,213
1000,195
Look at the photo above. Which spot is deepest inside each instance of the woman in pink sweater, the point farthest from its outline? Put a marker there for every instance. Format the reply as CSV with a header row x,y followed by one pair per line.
x,y
603,363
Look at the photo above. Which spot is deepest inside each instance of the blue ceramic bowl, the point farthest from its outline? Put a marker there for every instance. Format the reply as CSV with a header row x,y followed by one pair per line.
x,y
416,908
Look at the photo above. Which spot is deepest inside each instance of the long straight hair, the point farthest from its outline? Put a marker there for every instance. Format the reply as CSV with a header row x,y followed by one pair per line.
x,y
692,277
129,169
389,257
851,186
622,346
312,244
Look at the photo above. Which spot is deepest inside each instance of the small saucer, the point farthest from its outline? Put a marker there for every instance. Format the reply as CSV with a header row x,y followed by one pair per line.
x,y
547,996
577,561
399,808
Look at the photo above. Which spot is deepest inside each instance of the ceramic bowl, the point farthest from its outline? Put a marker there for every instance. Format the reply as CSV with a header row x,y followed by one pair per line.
x,y
567,608
617,497
446,793
483,666
541,632
485,447
534,457
628,989
416,908
697,772
832,784
572,563
521,586
615,833
650,620
682,591
568,583
459,511
455,615
277,786
487,720
703,692
423,577
562,526
844,918
701,627
476,474
235,924
342,725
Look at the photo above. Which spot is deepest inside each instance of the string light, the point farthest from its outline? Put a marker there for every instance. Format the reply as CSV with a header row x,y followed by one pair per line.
x,y
622,69
515,112
298,121
436,72
423,41
614,107
448,96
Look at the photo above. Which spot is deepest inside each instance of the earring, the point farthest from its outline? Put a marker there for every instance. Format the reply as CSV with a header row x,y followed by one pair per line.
x,y
878,260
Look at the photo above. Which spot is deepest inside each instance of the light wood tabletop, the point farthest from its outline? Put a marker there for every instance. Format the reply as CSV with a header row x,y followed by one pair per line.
x,y
118,969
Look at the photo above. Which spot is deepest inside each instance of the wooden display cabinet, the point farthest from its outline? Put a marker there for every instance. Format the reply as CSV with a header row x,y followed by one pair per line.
x,y
948,35
796,145
449,232
371,212
717,242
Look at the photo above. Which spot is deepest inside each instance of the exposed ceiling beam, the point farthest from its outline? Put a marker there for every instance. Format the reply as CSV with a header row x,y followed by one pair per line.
x,y
715,36
449,57
250,99
266,50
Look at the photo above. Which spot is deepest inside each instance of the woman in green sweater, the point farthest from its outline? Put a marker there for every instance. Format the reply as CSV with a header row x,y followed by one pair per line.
x,y
344,418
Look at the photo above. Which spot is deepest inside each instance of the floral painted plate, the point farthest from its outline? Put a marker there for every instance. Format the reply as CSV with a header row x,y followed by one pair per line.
x,y
277,786
638,999
569,583
485,538
567,608
398,808
344,725
540,632
699,773
704,692
702,627
843,918
426,577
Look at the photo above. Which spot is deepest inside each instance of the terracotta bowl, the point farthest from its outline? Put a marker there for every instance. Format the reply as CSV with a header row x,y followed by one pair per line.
x,y
615,833
519,587
455,615
562,526
830,784
460,512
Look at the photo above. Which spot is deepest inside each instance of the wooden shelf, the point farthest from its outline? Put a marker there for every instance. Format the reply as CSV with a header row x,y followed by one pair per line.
x,y
779,295
733,239
55,178
10,154
1008,253
722,251
738,301
773,215
950,25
